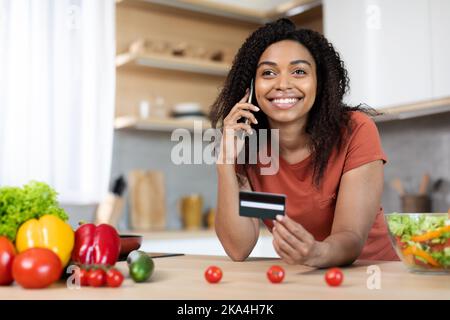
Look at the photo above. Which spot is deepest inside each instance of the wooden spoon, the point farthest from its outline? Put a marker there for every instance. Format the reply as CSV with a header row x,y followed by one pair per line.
x,y
398,186
424,184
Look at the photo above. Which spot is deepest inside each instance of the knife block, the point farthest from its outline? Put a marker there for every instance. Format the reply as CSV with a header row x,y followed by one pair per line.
x,y
110,210
147,200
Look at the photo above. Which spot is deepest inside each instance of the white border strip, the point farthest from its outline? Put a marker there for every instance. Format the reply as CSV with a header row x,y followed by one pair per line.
x,y
259,205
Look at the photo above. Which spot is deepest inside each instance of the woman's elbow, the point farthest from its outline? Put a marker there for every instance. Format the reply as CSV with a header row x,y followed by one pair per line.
x,y
237,256
237,249
237,253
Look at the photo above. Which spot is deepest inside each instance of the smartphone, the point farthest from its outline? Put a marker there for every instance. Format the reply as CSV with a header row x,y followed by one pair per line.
x,y
249,100
261,205
251,92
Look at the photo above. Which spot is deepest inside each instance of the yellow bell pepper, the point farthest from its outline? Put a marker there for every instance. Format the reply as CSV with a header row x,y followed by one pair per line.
x,y
48,232
431,234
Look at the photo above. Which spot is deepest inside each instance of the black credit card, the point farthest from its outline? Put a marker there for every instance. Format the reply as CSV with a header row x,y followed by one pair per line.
x,y
261,205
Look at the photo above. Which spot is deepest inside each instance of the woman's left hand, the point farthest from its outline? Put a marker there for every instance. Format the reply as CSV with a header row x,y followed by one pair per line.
x,y
293,243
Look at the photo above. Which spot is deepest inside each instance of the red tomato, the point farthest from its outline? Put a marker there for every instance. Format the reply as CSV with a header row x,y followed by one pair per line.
x,y
97,278
114,278
7,253
275,274
36,268
400,244
437,247
334,277
213,274
84,280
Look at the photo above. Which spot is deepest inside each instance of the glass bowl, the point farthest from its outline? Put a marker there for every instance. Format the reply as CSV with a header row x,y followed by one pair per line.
x,y
421,240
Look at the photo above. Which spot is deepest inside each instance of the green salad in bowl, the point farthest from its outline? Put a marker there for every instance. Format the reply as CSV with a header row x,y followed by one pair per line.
x,y
421,240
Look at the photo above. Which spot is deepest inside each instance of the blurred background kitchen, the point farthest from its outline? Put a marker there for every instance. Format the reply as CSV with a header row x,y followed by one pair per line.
x,y
91,90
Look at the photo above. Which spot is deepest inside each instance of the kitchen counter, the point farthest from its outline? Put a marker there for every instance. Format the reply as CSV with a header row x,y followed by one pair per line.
x,y
182,234
199,242
181,277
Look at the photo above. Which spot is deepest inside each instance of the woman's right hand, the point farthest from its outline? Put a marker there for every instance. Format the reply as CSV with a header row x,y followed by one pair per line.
x,y
231,144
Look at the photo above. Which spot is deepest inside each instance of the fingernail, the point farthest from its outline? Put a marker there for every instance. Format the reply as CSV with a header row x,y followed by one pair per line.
x,y
256,121
279,217
256,109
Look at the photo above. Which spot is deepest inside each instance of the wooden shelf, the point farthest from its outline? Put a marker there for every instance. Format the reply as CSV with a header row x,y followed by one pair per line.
x,y
173,63
389,114
164,125
414,110
247,12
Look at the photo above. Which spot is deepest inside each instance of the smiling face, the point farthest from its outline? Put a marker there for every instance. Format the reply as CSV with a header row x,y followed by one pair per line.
x,y
286,82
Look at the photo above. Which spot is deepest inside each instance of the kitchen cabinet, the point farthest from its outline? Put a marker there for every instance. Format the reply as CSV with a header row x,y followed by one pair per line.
x,y
396,52
440,47
386,48
181,278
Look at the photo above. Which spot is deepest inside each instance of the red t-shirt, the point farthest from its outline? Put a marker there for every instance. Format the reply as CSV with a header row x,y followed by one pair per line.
x,y
313,208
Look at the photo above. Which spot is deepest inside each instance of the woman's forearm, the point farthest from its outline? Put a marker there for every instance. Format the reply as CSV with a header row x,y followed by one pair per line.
x,y
237,234
341,248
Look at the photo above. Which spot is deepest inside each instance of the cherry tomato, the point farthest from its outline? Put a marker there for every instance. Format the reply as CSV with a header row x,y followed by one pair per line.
x,y
213,274
334,277
84,277
438,247
97,278
36,268
114,278
7,253
275,274
400,244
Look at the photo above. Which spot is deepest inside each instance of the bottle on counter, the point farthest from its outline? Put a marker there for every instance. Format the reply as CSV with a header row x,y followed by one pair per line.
x,y
144,109
159,108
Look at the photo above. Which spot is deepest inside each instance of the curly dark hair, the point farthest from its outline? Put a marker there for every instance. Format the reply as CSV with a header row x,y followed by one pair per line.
x,y
328,124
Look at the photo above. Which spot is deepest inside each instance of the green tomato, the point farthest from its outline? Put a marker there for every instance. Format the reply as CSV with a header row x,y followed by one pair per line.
x,y
142,268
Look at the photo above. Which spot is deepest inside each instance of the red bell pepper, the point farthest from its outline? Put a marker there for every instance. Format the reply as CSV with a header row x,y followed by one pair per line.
x,y
96,245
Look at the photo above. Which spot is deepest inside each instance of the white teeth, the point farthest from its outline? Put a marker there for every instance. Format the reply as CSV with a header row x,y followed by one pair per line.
x,y
286,101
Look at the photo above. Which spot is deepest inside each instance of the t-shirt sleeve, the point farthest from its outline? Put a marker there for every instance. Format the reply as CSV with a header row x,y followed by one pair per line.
x,y
364,144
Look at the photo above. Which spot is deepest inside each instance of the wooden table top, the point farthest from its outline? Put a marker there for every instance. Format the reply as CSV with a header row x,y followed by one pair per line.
x,y
181,277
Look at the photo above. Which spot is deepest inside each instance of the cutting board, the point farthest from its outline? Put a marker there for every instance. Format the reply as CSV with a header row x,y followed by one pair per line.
x,y
147,200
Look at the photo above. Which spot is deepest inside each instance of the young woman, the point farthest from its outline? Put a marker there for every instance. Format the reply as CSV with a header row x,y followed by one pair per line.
x,y
330,155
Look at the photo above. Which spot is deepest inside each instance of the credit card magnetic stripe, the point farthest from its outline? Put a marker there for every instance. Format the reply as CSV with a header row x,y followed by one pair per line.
x,y
260,205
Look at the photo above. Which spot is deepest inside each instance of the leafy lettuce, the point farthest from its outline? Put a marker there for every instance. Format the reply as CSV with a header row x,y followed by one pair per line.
x,y
404,226
18,205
